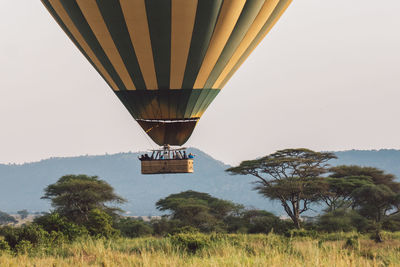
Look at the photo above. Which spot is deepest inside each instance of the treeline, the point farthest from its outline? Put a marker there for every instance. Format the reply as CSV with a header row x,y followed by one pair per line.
x,y
353,198
368,198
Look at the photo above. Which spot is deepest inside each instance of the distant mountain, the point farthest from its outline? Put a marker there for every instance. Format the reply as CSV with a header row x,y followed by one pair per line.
x,y
385,159
22,185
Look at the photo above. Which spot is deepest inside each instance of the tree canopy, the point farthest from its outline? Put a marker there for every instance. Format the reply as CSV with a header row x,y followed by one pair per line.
x,y
5,218
374,193
75,196
340,190
376,175
197,209
291,176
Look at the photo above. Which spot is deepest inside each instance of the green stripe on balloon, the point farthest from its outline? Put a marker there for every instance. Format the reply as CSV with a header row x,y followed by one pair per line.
x,y
206,18
69,34
75,13
200,100
159,18
114,19
275,15
141,100
246,19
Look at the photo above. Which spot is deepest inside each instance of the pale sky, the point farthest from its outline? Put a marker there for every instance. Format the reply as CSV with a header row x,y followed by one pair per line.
x,y
327,78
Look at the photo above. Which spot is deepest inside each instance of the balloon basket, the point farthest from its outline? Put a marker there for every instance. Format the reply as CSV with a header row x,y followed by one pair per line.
x,y
166,166
167,160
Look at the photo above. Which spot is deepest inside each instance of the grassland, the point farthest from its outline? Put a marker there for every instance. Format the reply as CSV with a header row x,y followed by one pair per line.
x,y
216,250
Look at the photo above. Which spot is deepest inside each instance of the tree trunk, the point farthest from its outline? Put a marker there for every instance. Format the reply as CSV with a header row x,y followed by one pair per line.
x,y
296,222
378,236
296,215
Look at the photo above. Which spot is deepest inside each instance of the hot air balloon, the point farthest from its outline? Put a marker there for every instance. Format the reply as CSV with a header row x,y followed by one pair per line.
x,y
166,60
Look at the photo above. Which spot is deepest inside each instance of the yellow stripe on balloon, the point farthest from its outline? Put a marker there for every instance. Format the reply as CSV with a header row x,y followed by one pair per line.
x,y
182,24
244,57
255,28
59,9
136,20
230,12
93,16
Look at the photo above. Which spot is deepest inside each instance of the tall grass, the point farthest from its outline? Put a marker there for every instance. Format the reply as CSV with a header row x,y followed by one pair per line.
x,y
216,250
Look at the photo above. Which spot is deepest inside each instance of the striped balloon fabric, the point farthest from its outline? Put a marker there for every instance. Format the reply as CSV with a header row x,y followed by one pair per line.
x,y
166,60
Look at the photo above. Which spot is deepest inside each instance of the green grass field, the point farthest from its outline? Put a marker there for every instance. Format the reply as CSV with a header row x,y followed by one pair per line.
x,y
216,250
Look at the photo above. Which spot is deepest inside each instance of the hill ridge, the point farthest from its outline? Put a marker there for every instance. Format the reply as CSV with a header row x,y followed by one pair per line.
x,y
22,184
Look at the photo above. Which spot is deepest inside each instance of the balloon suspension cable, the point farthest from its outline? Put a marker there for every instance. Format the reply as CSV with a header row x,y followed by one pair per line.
x,y
147,138
148,130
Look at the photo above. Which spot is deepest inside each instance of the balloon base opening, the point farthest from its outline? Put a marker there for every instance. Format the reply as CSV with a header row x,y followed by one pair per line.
x,y
168,131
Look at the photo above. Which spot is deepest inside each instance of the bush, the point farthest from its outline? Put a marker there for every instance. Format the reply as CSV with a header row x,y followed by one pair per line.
x,y
342,221
191,242
23,247
352,243
6,219
268,224
54,222
185,230
100,224
32,233
133,228
255,222
24,239
4,246
392,223
336,221
164,226
301,233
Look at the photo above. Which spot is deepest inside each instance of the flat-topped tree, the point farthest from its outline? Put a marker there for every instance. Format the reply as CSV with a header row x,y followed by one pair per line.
x,y
199,210
75,196
340,191
291,176
378,199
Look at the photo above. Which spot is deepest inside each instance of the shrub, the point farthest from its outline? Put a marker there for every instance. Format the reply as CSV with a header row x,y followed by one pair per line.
x,y
342,221
54,222
186,230
23,247
99,224
336,221
191,242
266,225
32,233
301,233
4,246
164,226
6,218
392,223
352,243
134,228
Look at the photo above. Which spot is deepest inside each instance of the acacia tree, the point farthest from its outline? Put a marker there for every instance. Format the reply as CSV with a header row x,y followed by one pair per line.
x,y
23,213
339,194
197,209
376,175
373,192
291,176
5,218
76,196
377,197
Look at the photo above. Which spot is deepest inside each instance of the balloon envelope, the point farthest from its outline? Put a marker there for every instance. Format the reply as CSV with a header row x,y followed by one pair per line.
x,y
166,60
